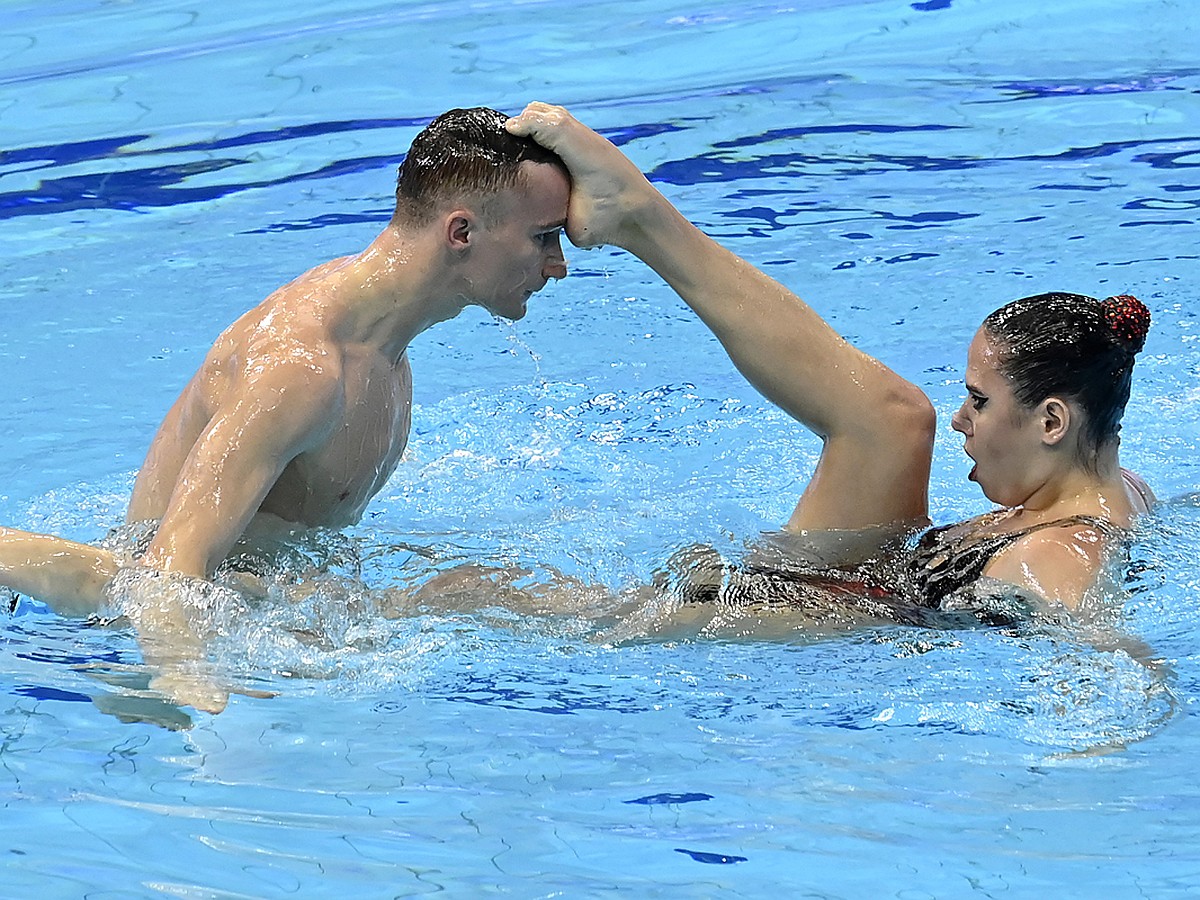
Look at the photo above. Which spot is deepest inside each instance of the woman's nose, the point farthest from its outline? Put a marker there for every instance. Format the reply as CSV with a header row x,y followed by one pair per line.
x,y
959,421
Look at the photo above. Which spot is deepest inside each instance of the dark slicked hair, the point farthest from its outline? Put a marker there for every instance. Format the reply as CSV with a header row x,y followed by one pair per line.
x,y
462,153
1075,346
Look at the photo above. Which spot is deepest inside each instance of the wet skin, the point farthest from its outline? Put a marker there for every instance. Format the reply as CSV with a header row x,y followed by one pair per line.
x,y
303,406
299,412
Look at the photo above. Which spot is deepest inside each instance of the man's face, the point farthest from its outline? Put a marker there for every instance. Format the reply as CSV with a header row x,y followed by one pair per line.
x,y
516,246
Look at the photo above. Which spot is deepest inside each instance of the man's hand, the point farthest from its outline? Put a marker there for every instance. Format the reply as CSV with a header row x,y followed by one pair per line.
x,y
174,615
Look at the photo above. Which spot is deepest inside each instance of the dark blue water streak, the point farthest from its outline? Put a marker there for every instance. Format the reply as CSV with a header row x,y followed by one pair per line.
x,y
157,186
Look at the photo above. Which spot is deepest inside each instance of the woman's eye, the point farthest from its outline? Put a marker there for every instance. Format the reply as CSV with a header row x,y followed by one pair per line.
x,y
978,402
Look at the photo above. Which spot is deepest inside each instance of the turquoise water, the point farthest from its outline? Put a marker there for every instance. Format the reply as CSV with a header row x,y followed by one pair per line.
x,y
906,167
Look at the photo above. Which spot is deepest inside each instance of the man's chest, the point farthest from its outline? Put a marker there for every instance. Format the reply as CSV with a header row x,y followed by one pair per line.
x,y
332,482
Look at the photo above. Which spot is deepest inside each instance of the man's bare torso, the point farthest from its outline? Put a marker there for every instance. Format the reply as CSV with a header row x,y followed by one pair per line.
x,y
362,433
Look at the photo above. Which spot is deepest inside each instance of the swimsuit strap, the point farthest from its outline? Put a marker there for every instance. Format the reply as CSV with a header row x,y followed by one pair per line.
x,y
939,567
1139,486
1102,525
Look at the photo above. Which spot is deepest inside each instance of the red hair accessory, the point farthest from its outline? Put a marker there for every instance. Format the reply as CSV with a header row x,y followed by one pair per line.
x,y
1127,317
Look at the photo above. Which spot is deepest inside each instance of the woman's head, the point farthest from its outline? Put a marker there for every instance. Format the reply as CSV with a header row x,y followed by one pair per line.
x,y
1074,347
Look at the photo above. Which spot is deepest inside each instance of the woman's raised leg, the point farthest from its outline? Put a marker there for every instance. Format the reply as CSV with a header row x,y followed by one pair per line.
x,y
877,427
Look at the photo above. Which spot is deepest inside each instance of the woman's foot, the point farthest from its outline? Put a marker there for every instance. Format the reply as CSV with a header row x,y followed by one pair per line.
x,y
611,199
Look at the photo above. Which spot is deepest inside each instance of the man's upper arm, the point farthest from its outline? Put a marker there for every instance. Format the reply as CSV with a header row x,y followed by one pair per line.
x,y
272,414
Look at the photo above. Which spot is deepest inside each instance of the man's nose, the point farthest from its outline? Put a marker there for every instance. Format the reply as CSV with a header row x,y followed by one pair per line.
x,y
555,265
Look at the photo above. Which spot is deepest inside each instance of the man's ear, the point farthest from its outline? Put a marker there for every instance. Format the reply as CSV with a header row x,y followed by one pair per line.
x,y
459,228
1055,416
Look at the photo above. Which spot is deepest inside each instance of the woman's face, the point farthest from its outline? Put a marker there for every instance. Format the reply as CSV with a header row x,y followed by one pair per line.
x,y
1002,437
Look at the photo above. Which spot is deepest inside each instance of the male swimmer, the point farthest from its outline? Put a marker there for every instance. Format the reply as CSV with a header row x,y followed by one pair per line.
x,y
301,409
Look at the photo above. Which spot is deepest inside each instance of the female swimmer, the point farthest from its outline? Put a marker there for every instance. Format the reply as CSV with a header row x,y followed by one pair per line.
x,y
1047,381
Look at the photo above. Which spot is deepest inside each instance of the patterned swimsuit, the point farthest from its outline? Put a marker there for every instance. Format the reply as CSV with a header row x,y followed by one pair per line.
x,y
936,581
943,564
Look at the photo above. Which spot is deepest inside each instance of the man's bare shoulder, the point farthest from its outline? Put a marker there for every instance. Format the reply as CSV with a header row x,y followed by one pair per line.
x,y
277,344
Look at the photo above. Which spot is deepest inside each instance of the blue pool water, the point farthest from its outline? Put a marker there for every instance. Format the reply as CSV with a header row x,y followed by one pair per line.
x,y
905,166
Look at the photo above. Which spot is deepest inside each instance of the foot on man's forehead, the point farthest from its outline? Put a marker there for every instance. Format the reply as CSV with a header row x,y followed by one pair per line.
x,y
607,190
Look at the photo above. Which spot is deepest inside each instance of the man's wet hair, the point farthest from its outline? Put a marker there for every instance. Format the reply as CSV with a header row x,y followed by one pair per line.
x,y
462,153
1075,346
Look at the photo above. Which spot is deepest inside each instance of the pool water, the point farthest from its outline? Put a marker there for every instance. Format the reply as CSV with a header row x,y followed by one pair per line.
x,y
905,166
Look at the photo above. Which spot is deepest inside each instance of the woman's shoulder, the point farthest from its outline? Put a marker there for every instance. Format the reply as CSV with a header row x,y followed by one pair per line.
x,y
1140,490
1058,560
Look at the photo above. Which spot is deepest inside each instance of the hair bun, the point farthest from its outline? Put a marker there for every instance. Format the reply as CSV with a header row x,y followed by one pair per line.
x,y
1127,317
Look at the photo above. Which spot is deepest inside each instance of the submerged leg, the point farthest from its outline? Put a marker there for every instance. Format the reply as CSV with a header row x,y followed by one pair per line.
x,y
77,579
877,427
67,576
